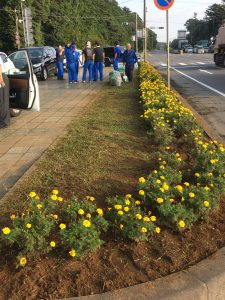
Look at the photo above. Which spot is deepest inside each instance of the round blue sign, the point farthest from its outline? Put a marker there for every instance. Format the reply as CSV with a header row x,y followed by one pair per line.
x,y
164,4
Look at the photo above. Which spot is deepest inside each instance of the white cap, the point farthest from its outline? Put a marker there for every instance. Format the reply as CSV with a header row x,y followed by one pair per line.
x,y
89,44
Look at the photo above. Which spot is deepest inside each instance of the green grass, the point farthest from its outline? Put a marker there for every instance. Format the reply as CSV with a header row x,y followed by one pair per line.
x,y
104,153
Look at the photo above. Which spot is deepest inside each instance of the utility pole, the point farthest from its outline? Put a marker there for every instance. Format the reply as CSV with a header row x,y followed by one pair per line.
x,y
145,31
17,30
24,30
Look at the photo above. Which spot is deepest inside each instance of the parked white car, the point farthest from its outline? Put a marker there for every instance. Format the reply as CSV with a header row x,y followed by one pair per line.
x,y
24,89
199,49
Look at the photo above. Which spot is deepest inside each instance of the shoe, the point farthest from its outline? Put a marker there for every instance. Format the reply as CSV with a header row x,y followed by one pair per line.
x,y
71,82
83,81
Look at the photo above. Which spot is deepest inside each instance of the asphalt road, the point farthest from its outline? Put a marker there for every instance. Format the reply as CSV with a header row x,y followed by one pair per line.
x,y
202,83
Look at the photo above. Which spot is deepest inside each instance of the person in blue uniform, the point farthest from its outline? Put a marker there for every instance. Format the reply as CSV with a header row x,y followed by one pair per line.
x,y
117,53
70,61
129,59
59,59
88,62
99,58
77,62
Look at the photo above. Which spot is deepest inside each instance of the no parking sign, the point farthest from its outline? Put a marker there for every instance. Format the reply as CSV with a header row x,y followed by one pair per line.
x,y
164,4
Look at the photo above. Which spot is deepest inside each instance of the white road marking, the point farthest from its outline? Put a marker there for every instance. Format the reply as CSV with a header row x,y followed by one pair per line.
x,y
199,82
200,63
164,65
182,64
205,71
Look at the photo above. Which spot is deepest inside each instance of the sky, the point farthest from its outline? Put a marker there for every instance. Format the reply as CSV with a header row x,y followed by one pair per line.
x,y
181,11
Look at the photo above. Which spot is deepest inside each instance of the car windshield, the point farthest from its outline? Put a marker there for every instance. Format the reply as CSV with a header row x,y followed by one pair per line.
x,y
35,53
3,57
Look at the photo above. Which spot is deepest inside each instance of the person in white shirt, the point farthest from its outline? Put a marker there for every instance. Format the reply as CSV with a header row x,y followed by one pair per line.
x,y
4,97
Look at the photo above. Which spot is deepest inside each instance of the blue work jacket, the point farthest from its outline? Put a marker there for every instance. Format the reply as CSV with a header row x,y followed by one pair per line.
x,y
129,57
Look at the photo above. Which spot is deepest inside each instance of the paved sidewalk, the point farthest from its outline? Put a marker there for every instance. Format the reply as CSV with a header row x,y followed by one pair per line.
x,y
30,134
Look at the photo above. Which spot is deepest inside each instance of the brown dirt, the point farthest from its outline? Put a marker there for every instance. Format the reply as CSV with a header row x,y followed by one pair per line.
x,y
115,265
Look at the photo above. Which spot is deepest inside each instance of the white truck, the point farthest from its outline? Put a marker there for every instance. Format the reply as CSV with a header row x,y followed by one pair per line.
x,y
219,50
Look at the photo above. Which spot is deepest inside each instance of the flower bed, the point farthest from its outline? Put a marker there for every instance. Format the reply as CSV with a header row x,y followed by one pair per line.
x,y
188,178
186,181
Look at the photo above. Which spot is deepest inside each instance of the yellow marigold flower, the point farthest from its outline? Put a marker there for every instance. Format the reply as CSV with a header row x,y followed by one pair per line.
x,y
187,184
120,212
191,195
32,194
206,203
88,216
197,175
179,159
37,197
121,226
182,199
159,200
128,196
109,208
72,253
52,244
142,180
60,199
181,224
28,225
80,212
144,229
162,177
167,148
158,230
153,218
162,167
137,202
138,216
39,206
206,188
221,149
55,192
13,217
162,190
213,161
166,187
23,261
92,199
6,230
179,188
155,171
158,181
54,197
126,208
164,162
62,226
86,223
146,219
118,206
99,211
127,202
171,200
210,174
55,217
141,192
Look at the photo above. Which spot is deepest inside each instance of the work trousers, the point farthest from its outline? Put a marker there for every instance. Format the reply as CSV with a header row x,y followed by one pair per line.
x,y
4,103
129,70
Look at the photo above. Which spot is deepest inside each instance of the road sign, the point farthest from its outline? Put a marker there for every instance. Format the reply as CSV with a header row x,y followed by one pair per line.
x,y
164,4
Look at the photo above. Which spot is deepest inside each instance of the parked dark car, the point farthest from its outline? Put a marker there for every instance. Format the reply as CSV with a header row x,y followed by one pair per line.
x,y
43,60
109,55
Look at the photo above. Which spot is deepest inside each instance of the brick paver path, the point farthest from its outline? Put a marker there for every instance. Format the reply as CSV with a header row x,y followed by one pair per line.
x,y
30,134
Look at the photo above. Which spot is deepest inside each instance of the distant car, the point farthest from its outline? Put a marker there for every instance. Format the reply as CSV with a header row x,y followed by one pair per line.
x,y
199,49
188,49
109,55
139,57
206,49
211,48
43,60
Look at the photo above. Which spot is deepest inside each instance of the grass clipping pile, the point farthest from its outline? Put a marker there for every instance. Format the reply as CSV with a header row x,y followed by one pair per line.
x,y
65,248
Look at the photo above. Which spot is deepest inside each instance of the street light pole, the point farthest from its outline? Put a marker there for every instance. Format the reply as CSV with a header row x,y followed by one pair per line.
x,y
136,32
168,48
145,31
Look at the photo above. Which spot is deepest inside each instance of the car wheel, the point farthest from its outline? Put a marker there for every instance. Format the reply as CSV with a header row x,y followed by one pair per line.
x,y
44,75
15,112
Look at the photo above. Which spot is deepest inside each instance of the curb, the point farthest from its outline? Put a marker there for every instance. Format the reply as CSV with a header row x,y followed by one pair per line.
x,y
204,281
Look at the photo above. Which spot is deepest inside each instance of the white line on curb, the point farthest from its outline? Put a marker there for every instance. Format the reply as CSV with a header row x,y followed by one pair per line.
x,y
200,63
182,64
206,71
199,82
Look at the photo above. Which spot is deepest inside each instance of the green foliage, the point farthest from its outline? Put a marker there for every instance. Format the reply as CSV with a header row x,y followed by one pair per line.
x,y
57,22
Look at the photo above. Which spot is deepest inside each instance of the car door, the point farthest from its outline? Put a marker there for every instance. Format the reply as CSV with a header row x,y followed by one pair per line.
x,y
24,90
52,54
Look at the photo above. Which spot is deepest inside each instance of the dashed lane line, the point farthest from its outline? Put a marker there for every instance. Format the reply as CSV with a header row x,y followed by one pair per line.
x,y
205,71
199,82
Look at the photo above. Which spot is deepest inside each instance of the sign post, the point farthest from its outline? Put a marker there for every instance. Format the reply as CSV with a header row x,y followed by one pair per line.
x,y
166,5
